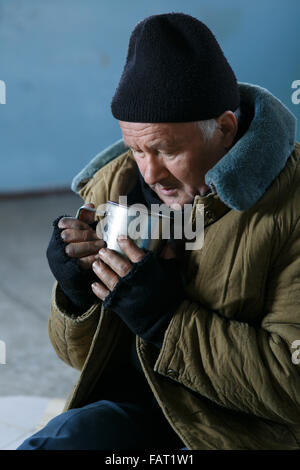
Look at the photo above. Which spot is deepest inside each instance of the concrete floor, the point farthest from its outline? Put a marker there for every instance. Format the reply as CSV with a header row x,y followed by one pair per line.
x,y
33,377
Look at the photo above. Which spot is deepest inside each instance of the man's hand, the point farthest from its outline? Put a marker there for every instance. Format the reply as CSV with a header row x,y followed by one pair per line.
x,y
82,241
111,266
143,290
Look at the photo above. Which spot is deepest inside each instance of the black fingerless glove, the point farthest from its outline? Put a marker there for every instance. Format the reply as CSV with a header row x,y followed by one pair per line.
x,y
147,297
74,281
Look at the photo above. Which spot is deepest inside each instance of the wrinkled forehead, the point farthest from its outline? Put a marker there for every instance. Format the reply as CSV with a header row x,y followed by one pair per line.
x,y
154,133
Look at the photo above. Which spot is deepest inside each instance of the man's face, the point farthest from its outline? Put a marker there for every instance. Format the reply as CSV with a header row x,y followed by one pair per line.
x,y
172,158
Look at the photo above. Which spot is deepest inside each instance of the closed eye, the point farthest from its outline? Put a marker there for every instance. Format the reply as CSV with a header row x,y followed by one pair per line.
x,y
137,152
164,153
169,153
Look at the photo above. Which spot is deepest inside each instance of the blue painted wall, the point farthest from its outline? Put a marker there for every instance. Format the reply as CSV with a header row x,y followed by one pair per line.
x,y
61,61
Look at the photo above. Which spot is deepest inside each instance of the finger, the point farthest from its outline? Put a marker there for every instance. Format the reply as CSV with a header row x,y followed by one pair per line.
x,y
86,262
82,249
71,235
134,253
115,261
100,290
106,275
73,223
87,216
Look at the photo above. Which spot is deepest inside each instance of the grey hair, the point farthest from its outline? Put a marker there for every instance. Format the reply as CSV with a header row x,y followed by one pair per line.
x,y
209,126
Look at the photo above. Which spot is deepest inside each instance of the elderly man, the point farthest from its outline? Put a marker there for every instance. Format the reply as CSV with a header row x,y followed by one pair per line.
x,y
184,349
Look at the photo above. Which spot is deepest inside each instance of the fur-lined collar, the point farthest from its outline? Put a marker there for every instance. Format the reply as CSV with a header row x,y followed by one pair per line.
x,y
244,174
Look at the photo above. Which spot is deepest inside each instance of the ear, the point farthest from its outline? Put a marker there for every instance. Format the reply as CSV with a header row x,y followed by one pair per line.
x,y
228,126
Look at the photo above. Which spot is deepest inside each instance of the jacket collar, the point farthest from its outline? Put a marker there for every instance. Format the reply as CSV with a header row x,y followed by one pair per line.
x,y
244,174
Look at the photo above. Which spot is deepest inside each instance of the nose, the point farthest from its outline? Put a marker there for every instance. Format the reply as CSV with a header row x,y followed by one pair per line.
x,y
154,170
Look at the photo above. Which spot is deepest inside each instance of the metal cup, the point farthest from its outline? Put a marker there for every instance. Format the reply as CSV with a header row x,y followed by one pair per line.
x,y
147,229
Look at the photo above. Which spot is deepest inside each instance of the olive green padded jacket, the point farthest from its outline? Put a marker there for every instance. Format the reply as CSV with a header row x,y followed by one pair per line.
x,y
224,377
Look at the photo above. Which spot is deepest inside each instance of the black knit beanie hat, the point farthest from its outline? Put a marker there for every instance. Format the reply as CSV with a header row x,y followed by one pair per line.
x,y
175,71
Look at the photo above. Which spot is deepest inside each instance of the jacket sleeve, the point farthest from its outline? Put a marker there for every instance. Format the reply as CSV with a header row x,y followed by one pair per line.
x,y
71,335
239,366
